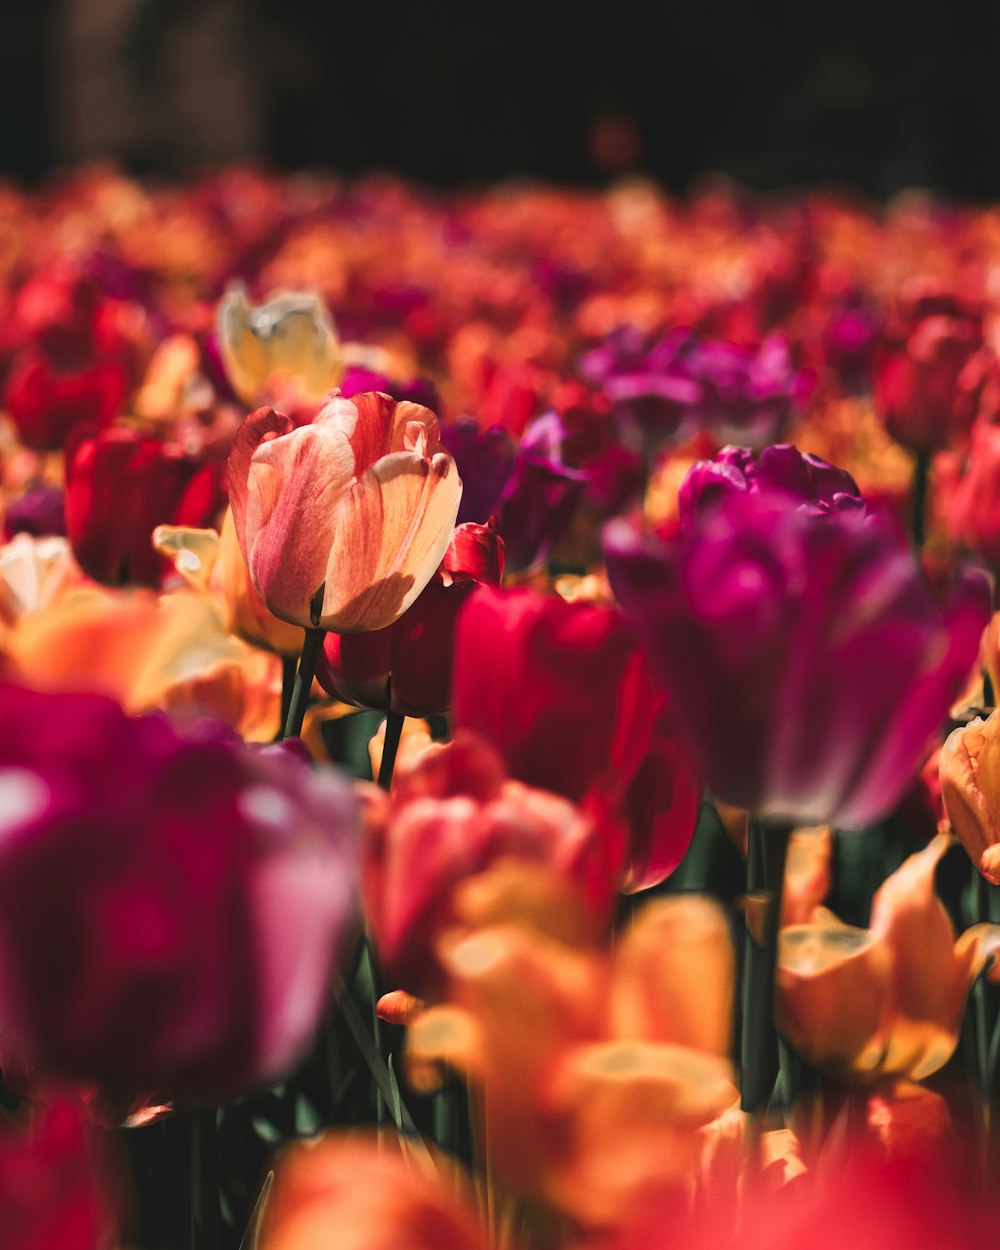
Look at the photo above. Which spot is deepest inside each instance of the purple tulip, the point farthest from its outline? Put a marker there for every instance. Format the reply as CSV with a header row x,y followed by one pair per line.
x,y
358,380
810,664
40,511
171,905
807,479
484,459
663,390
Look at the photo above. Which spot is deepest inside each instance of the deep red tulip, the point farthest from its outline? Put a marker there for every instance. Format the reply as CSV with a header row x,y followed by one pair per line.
x,y
974,514
53,1192
407,667
196,894
119,486
46,405
564,693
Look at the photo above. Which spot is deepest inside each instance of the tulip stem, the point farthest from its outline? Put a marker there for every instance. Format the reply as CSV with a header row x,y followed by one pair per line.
x,y
311,646
921,477
767,845
205,1212
288,667
393,732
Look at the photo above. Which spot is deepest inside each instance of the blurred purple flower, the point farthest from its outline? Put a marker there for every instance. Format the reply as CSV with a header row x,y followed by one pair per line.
x,y
810,664
662,390
171,905
814,484
358,380
40,512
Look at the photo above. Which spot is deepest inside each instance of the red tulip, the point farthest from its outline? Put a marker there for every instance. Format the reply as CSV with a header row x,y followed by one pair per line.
x,y
119,486
563,692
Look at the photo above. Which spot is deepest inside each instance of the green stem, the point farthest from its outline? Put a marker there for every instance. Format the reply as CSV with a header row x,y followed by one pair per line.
x,y
767,845
393,732
303,682
288,666
205,1212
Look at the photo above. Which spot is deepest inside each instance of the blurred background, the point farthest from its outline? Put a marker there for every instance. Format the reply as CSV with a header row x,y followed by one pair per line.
x,y
875,94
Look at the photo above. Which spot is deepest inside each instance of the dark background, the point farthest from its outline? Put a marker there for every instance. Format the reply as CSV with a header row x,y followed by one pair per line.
x,y
876,94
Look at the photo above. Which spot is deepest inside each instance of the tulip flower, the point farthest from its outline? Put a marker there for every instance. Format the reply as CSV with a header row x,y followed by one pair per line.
x,y
197,894
599,1072
886,1002
931,374
567,699
407,667
54,1188
814,484
46,406
39,511
119,486
453,813
347,1193
290,336
212,563
970,789
343,522
34,572
974,512
810,664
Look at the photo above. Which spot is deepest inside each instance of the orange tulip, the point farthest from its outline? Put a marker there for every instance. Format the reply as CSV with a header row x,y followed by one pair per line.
x,y
343,522
866,1005
598,1073
970,788
345,1194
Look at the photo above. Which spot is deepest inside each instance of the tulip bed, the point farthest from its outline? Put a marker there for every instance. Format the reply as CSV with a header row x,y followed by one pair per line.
x,y
497,742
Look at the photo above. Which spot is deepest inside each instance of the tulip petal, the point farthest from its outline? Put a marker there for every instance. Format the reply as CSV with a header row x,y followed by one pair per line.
x,y
392,529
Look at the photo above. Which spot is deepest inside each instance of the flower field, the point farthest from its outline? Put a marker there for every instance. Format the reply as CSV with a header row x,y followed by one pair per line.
x,y
497,733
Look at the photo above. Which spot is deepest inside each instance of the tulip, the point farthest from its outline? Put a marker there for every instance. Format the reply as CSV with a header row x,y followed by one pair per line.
x,y
212,563
39,511
343,522
869,1005
290,336
970,789
46,406
599,1071
346,1193
119,486
564,693
810,663
810,481
34,573
931,375
198,893
974,513
407,667
452,814
54,1189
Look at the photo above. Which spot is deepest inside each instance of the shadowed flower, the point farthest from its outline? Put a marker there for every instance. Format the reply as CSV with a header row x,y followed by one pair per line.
x,y
886,1002
343,522
970,789
197,894
119,486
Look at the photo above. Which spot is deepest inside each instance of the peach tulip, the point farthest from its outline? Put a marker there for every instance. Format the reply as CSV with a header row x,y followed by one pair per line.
x,y
343,522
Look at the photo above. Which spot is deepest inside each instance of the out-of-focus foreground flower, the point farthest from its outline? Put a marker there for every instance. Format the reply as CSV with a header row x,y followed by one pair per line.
x,y
197,894
596,1073
343,522
54,1193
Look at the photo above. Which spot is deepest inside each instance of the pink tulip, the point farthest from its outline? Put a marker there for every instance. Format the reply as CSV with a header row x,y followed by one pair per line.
x,y
343,522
